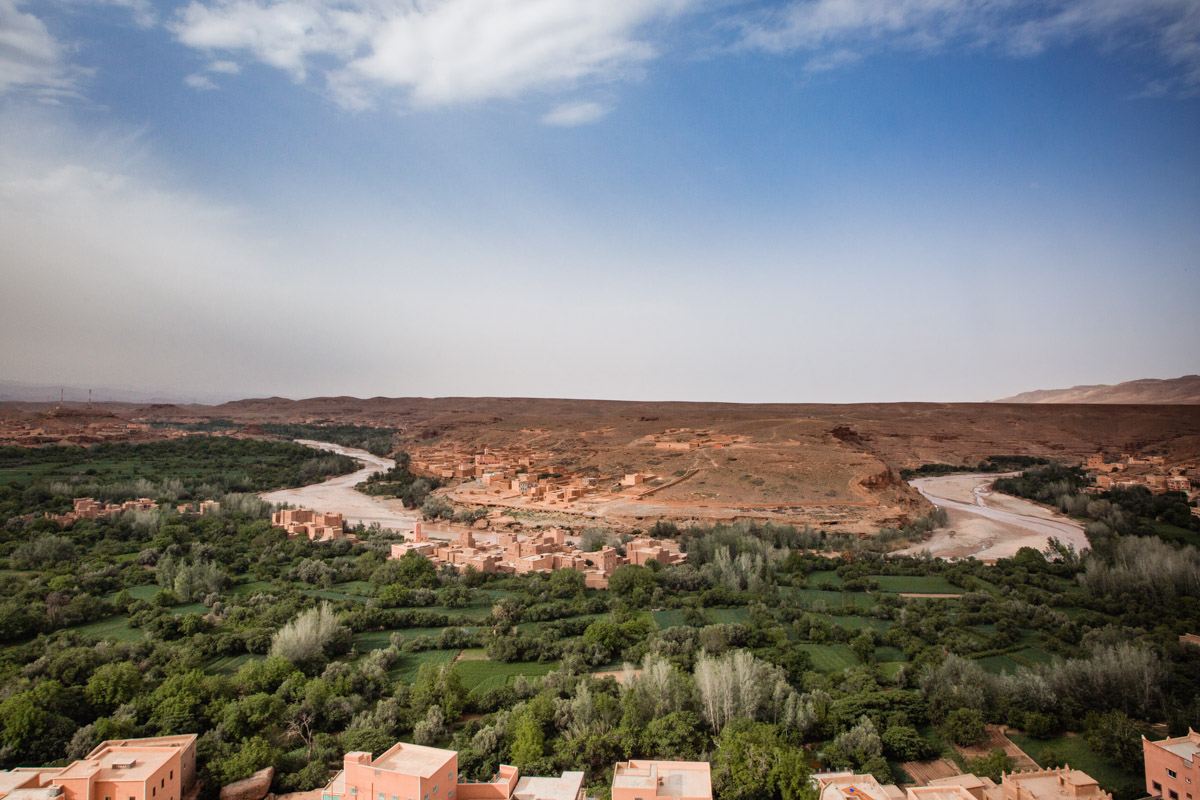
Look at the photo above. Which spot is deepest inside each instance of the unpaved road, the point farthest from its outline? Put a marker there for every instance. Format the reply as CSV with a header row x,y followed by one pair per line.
x,y
338,494
988,525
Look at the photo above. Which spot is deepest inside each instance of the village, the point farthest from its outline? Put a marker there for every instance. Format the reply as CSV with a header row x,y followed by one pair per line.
x,y
142,768
544,551
1151,472
526,478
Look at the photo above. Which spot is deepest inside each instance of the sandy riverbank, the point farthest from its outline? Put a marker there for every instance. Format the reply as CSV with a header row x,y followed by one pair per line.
x,y
988,525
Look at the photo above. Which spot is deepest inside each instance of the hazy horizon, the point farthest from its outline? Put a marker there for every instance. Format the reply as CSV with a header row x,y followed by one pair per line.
x,y
809,201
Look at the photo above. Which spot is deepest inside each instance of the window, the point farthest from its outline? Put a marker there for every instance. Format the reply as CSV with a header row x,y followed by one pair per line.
x,y
1157,786
1174,794
154,791
172,776
353,790
162,782
1171,774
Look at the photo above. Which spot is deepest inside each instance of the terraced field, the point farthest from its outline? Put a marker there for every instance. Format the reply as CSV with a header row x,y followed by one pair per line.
x,y
481,676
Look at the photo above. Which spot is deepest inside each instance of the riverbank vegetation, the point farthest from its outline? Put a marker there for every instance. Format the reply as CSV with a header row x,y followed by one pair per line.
x,y
988,465
1119,512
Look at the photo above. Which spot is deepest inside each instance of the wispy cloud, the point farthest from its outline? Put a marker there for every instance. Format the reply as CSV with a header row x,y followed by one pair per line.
x,y
437,53
569,115
31,59
826,28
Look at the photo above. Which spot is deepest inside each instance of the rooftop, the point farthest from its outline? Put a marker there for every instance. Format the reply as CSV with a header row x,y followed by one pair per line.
x,y
414,759
666,778
122,762
564,788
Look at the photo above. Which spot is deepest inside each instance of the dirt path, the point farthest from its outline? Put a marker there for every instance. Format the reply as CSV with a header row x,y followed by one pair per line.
x,y
989,526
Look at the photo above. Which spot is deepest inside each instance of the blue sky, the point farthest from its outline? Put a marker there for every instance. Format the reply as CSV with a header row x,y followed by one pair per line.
x,y
804,200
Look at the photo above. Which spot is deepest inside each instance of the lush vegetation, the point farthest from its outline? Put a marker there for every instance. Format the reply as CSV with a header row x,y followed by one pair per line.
x,y
196,467
765,654
378,441
400,482
990,464
1124,512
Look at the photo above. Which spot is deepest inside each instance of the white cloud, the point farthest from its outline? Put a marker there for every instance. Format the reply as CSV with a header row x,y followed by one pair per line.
x,y
571,114
224,67
824,28
436,53
30,57
200,81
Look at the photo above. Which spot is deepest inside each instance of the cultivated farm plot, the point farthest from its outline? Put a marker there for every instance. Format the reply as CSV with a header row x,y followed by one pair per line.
x,y
830,598
823,578
252,588
829,657
481,676
189,608
669,618
116,627
852,623
229,665
888,654
998,664
726,616
405,669
1032,655
919,584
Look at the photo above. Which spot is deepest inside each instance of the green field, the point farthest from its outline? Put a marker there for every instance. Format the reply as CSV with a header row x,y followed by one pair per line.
x,y
1031,656
1176,534
190,608
669,618
852,623
228,665
111,628
1074,750
887,654
824,578
929,584
253,587
406,667
480,676
998,664
831,599
829,657
726,616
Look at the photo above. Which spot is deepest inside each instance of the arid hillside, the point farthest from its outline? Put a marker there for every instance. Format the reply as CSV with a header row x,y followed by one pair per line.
x,y
1175,391
834,465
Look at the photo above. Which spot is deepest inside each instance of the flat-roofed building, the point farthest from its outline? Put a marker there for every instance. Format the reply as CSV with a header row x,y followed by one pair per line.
x,y
662,780
158,768
1051,784
1172,766
848,786
404,772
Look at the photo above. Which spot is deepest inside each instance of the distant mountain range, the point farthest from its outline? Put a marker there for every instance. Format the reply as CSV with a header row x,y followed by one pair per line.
x,y
18,391
1173,391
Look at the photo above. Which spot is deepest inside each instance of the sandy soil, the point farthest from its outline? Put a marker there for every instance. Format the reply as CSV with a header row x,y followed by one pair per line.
x,y
987,525
338,494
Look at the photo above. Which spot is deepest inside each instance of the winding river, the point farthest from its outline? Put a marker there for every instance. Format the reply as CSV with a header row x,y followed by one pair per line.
x,y
337,495
989,525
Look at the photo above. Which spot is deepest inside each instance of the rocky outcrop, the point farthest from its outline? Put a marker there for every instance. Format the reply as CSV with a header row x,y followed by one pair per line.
x,y
253,788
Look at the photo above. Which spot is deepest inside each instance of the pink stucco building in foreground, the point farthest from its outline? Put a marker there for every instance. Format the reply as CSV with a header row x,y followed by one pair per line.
x,y
1173,766
662,780
414,772
160,768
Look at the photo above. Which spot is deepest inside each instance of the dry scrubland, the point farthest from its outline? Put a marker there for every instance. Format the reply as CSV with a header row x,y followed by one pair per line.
x,y
829,465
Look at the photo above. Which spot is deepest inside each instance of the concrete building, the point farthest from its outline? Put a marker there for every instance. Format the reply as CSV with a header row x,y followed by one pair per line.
x,y
1043,784
160,768
662,780
1172,766
414,772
